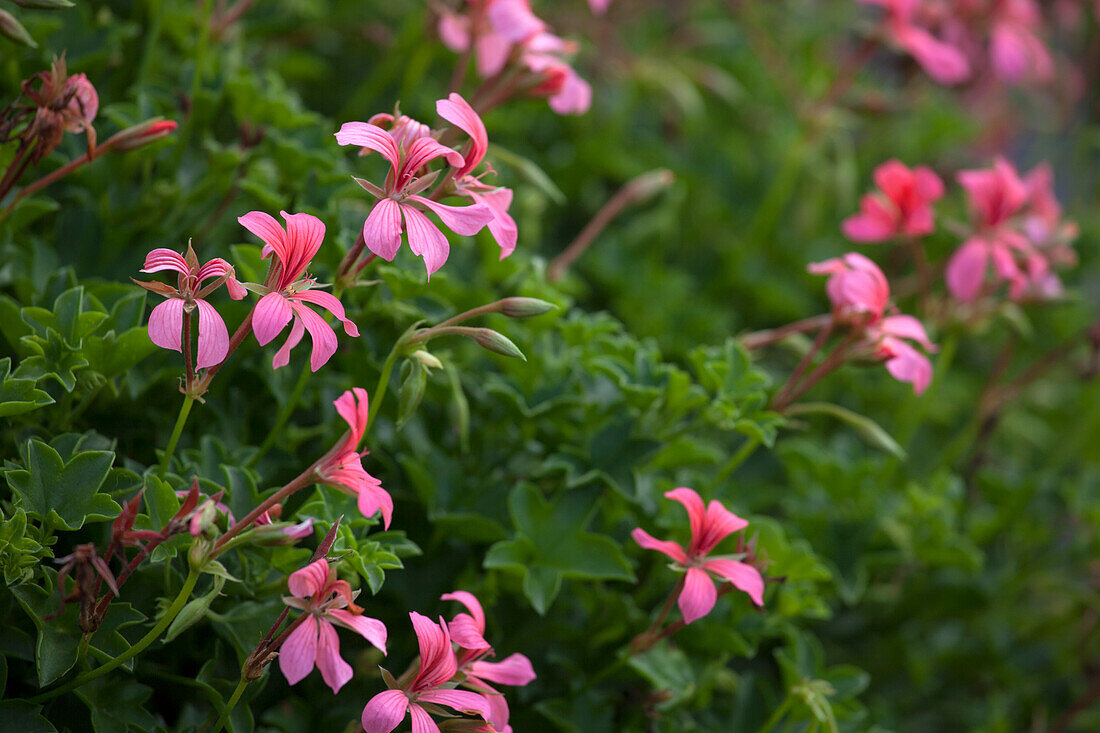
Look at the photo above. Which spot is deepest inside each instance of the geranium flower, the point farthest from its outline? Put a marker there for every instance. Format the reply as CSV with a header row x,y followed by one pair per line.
x,y
328,602
438,665
458,112
901,207
566,92
710,524
343,466
468,631
942,61
399,198
288,288
166,320
856,286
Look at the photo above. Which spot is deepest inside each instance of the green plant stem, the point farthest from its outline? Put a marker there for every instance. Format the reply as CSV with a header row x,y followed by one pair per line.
x,y
181,420
282,417
743,453
379,393
305,478
220,722
154,633
777,716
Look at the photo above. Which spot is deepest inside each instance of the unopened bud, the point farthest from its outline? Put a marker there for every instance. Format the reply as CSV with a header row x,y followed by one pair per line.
x,y
203,518
10,28
43,4
427,360
196,556
496,342
525,307
141,134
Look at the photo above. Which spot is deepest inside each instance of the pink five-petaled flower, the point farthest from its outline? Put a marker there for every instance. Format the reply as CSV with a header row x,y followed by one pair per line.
x,y
438,665
860,295
166,320
468,631
318,593
710,524
288,288
343,466
942,61
901,207
399,198
458,112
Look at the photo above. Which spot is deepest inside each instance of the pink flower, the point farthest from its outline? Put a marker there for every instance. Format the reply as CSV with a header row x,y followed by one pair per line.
x,y
324,599
468,631
567,93
942,61
83,104
599,7
1016,52
438,665
166,320
288,288
492,45
458,112
343,466
399,198
902,207
710,525
860,295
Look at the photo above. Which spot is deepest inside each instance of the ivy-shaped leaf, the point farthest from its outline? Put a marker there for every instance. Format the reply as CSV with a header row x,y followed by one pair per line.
x,y
64,495
19,395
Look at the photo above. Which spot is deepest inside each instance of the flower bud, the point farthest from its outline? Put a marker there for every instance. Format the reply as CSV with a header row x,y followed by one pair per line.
x,y
43,4
496,342
427,360
10,28
196,556
525,307
141,134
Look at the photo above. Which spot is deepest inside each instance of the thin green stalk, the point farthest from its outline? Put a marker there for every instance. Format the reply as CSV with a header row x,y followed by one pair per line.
x,y
282,417
777,716
747,449
224,717
185,410
153,635
379,393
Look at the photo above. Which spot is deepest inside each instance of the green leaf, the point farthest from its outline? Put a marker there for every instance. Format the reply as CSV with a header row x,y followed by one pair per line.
x,y
64,494
23,716
19,395
867,429
194,610
58,639
117,705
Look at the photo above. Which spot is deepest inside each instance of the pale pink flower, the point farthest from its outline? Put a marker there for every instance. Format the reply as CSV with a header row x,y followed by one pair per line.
x,y
399,198
1016,52
343,466
599,7
438,665
458,112
710,524
468,631
288,288
83,104
860,295
457,30
166,320
942,61
326,600
566,92
901,207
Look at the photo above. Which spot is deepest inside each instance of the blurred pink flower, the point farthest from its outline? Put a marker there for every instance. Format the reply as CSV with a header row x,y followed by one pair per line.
x,y
399,198
904,362
325,600
288,288
1016,51
856,287
458,112
710,524
567,93
438,665
599,7
166,320
901,207
942,61
468,631
343,465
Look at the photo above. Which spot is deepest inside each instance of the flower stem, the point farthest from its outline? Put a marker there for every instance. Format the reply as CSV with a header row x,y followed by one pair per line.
x,y
149,638
777,715
784,396
304,479
281,418
759,339
379,393
224,717
747,449
185,410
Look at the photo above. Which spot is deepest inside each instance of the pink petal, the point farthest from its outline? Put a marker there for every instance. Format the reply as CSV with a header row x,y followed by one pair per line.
x,y
515,670
908,365
213,337
668,547
353,406
465,633
698,596
298,652
503,226
454,30
827,267
304,235
966,270
693,503
369,136
575,96
743,576
907,327
425,239
265,227
472,604
373,498
165,259
893,177
437,658
322,335
384,711
718,524
943,62
493,50
464,220
382,229
272,314
282,356
874,223
369,628
421,152
309,581
929,186
458,112
329,302
166,324
421,721
461,700
334,670
514,20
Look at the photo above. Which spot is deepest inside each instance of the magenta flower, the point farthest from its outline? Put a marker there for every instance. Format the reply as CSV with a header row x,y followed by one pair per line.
x,y
166,320
901,207
468,631
342,468
288,288
1016,52
324,599
458,112
710,524
860,295
400,199
438,665
942,61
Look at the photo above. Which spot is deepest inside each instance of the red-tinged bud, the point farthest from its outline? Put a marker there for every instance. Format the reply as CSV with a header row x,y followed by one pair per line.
x,y
141,134
125,521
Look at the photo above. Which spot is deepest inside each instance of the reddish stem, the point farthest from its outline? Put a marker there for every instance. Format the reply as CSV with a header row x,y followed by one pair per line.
x,y
304,479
